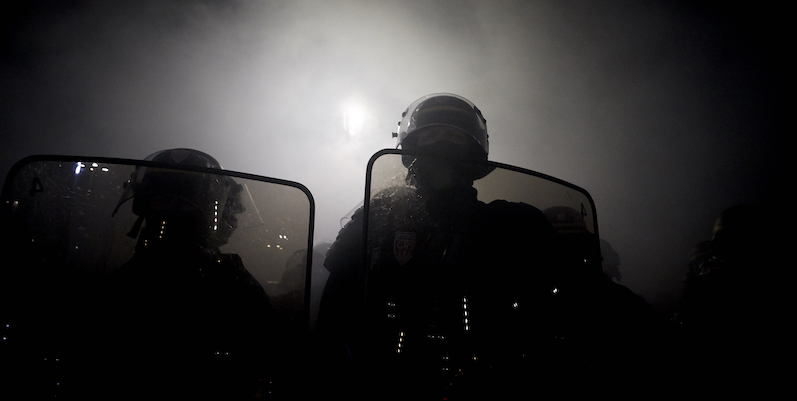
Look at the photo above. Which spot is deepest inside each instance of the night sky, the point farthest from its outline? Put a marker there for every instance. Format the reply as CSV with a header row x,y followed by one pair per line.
x,y
666,112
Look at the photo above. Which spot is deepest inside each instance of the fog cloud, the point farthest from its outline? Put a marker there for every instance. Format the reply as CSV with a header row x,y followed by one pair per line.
x,y
666,113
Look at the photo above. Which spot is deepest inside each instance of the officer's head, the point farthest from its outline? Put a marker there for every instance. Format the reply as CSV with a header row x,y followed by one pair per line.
x,y
740,233
444,138
182,206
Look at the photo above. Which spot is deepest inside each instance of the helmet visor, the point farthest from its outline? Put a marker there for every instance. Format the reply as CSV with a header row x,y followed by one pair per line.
x,y
442,110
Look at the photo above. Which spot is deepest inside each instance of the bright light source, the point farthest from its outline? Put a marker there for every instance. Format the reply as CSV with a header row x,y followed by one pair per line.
x,y
353,119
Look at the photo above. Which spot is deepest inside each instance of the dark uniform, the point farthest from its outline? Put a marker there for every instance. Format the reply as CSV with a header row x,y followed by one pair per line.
x,y
447,297
202,316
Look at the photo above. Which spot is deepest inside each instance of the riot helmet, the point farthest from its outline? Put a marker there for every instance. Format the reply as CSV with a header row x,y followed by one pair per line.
x,y
739,232
181,205
442,109
445,126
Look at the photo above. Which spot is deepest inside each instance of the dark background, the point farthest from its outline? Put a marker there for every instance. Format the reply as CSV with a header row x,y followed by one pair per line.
x,y
666,112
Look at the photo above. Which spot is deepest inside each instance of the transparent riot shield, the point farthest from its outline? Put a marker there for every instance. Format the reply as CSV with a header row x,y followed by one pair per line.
x,y
190,282
466,285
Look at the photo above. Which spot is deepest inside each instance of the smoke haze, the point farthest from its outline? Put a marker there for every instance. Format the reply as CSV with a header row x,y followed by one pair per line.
x,y
667,113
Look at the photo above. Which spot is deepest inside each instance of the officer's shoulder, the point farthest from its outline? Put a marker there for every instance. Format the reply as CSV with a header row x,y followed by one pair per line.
x,y
386,199
501,206
512,216
395,194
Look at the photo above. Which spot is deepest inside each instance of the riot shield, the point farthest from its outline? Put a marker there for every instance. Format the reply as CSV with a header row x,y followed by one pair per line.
x,y
190,283
468,290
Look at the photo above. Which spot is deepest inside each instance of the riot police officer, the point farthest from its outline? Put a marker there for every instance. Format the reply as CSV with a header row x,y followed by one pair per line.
x,y
180,309
442,309
731,314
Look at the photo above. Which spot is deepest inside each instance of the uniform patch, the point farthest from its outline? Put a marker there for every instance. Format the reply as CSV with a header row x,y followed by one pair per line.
x,y
403,245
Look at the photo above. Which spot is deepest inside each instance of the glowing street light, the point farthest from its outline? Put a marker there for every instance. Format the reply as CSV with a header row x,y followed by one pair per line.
x,y
353,119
